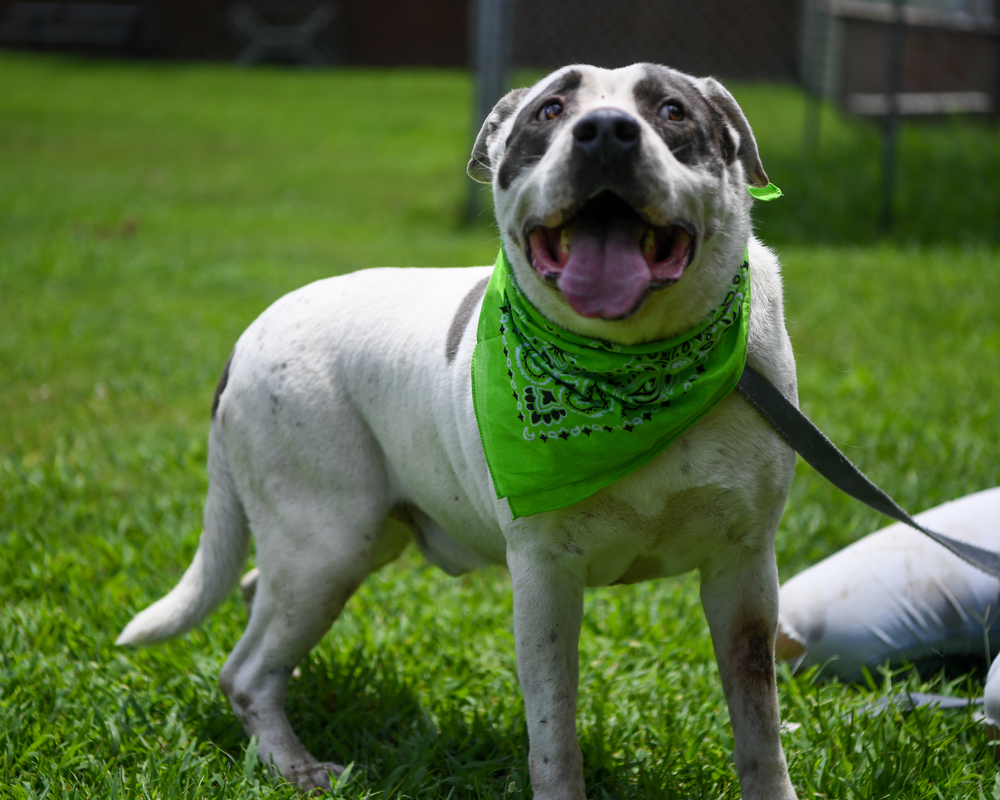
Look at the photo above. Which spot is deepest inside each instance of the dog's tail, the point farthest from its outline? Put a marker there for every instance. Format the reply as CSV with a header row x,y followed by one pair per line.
x,y
222,552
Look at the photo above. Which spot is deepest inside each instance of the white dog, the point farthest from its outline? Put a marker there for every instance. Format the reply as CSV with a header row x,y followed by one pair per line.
x,y
622,201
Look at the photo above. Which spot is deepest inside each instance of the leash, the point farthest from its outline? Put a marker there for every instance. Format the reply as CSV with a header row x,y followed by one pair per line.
x,y
822,455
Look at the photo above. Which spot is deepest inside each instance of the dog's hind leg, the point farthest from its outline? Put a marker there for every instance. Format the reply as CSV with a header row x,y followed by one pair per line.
x,y
312,558
739,592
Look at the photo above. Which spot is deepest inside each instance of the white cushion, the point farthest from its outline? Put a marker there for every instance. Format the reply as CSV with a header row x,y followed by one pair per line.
x,y
897,597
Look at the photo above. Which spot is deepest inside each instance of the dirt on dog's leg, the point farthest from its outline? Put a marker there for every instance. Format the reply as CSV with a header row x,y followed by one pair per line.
x,y
548,611
297,598
739,592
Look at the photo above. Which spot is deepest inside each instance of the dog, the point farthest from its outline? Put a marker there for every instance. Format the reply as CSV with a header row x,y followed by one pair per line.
x,y
622,202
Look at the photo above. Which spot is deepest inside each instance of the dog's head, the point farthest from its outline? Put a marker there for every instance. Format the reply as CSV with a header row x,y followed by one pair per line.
x,y
621,195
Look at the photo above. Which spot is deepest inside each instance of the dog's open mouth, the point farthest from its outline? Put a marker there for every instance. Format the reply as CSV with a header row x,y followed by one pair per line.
x,y
606,258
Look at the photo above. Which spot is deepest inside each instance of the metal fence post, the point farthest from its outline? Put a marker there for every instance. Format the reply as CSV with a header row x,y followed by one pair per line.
x,y
813,67
491,32
890,130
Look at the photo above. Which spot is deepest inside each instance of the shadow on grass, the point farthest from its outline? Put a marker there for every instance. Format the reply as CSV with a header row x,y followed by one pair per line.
x,y
361,709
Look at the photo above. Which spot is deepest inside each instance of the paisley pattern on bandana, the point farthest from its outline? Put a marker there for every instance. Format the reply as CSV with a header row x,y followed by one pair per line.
x,y
553,383
562,415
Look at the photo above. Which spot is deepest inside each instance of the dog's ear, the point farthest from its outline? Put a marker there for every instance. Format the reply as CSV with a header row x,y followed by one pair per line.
x,y
746,147
480,169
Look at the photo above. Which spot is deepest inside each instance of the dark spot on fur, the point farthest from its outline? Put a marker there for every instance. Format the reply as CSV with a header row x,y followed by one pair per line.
x,y
735,533
222,384
530,137
697,139
755,654
241,702
461,319
572,548
553,637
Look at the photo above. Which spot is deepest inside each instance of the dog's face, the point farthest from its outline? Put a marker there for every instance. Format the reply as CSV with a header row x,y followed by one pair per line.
x,y
621,195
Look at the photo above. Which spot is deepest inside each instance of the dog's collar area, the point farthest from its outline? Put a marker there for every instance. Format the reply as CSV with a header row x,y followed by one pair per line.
x,y
562,415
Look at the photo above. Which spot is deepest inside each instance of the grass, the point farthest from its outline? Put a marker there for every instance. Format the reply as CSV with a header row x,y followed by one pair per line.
x,y
148,213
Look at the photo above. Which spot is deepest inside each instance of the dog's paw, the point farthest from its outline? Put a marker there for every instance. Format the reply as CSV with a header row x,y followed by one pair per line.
x,y
317,778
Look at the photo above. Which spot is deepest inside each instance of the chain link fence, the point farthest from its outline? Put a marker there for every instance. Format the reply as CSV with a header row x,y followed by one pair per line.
x,y
725,38
879,59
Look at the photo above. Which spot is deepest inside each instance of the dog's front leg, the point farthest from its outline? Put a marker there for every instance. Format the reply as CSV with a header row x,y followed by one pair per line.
x,y
548,609
739,591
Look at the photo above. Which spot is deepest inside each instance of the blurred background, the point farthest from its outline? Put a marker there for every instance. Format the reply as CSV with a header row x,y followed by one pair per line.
x,y
874,65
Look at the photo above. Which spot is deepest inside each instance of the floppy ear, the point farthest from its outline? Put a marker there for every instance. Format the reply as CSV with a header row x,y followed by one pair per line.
x,y
746,149
480,169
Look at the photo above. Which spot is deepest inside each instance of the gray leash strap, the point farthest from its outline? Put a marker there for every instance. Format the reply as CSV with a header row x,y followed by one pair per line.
x,y
824,457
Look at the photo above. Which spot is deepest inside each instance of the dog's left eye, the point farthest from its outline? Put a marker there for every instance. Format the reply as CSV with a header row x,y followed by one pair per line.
x,y
550,110
672,111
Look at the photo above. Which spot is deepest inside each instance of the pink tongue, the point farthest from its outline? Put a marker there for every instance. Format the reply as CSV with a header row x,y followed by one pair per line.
x,y
606,275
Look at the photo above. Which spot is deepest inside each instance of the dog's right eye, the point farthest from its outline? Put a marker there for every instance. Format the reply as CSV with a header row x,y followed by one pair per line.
x,y
550,110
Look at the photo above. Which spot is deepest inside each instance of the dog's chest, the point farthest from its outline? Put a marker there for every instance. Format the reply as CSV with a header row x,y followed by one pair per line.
x,y
705,493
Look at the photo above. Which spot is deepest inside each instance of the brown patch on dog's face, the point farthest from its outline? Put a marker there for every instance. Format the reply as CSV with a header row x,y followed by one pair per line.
x,y
534,127
692,128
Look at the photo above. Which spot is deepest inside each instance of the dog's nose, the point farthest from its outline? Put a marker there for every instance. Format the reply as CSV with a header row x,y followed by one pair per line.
x,y
606,132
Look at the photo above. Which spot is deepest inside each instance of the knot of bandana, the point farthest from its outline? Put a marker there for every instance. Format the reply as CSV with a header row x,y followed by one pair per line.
x,y
562,415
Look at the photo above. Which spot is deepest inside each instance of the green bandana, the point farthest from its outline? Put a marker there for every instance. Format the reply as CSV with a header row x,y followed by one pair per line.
x,y
562,415
769,192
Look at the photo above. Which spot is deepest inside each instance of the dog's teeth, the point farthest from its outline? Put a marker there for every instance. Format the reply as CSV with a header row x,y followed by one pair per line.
x,y
564,241
649,242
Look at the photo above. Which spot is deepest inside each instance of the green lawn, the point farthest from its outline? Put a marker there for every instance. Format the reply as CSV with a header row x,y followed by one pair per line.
x,y
149,213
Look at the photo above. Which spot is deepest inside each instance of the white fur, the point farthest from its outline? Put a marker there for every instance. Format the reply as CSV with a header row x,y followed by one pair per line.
x,y
340,407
